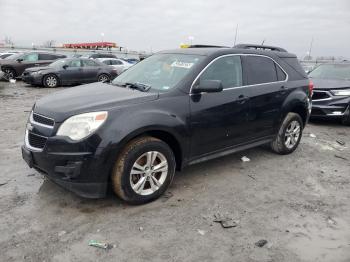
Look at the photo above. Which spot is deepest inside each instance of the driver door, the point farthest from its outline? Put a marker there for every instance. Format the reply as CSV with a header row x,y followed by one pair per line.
x,y
218,120
73,73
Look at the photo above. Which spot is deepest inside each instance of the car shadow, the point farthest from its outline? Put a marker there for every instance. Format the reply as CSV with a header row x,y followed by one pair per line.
x,y
53,194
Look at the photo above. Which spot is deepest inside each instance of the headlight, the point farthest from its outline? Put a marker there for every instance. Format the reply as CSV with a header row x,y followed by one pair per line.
x,y
36,73
343,92
80,126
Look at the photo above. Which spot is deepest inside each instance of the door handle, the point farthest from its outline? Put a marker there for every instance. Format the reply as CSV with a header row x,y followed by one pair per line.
x,y
242,99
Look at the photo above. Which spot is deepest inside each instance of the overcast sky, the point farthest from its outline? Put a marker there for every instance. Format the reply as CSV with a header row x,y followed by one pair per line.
x,y
164,24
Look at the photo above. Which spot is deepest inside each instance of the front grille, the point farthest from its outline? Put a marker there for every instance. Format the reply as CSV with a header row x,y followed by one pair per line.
x,y
317,95
43,120
36,140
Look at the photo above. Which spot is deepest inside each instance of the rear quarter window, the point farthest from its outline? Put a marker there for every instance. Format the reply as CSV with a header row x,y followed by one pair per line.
x,y
260,70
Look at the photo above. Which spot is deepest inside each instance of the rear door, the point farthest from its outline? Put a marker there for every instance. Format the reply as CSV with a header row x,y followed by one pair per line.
x,y
218,120
91,70
266,81
45,59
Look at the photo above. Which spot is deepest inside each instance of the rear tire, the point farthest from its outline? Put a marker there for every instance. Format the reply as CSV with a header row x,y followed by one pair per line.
x,y
103,78
50,81
135,178
289,134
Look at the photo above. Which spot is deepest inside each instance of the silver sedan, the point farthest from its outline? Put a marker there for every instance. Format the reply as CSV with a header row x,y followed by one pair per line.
x,y
117,63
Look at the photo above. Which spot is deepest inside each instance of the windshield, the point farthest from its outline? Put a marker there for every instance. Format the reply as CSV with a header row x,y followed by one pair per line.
x,y
58,63
161,71
337,71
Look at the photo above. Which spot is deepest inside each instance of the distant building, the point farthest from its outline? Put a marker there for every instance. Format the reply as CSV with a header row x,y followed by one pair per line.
x,y
96,45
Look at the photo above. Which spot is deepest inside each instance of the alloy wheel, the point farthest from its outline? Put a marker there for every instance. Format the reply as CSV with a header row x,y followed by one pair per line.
x,y
292,134
148,173
8,74
103,78
51,81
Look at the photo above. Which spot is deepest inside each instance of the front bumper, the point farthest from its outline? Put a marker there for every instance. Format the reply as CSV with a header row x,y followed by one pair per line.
x,y
82,167
32,80
330,106
65,171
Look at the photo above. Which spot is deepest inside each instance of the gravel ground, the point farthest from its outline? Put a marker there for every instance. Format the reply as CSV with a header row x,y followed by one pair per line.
x,y
299,203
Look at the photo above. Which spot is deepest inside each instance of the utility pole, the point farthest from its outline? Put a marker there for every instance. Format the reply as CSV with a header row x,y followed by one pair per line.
x,y
312,40
236,35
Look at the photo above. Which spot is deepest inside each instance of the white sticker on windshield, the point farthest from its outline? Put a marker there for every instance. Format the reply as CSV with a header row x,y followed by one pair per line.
x,y
182,64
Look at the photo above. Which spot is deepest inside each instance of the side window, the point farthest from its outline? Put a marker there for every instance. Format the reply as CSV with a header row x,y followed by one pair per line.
x,y
281,76
89,62
74,63
46,57
260,70
226,69
107,62
117,62
31,57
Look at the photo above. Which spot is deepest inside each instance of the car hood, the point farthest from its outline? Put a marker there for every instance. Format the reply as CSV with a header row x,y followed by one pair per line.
x,y
327,84
8,62
89,98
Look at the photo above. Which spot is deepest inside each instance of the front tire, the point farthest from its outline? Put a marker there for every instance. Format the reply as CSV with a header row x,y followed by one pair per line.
x,y
50,81
346,117
289,134
143,171
9,74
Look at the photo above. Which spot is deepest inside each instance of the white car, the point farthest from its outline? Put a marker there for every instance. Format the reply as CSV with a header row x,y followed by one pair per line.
x,y
117,63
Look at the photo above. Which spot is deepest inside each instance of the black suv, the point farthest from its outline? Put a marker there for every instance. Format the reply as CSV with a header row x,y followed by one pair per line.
x,y
173,109
15,66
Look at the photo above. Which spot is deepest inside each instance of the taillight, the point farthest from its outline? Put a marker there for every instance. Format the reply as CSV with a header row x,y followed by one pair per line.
x,y
311,88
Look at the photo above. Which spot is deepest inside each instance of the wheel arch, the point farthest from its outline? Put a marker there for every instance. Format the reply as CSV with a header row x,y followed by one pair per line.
x,y
47,74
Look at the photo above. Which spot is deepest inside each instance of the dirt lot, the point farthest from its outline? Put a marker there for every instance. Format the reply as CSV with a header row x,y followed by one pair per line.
x,y
299,203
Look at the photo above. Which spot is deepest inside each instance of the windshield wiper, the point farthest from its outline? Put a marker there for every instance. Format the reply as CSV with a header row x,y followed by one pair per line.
x,y
139,86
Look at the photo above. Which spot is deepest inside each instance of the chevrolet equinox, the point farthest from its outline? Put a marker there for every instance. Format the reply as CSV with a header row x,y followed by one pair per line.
x,y
173,109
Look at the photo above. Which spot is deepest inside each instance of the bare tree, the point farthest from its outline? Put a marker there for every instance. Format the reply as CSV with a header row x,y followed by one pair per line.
x,y
49,43
8,41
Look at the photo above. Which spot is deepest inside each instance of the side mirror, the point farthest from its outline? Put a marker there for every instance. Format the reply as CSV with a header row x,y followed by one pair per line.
x,y
208,86
65,66
19,60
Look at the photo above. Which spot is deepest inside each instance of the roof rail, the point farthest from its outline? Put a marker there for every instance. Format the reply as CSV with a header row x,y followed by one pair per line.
x,y
260,47
207,46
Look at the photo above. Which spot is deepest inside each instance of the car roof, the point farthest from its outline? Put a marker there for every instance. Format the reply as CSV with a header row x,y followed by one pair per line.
x,y
224,51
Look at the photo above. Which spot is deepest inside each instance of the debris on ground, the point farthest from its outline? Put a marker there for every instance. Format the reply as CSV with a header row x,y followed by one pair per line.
x,y
31,175
331,221
245,159
95,243
252,177
226,222
261,243
340,142
166,196
2,184
341,157
201,232
12,81
313,135
61,233
141,229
